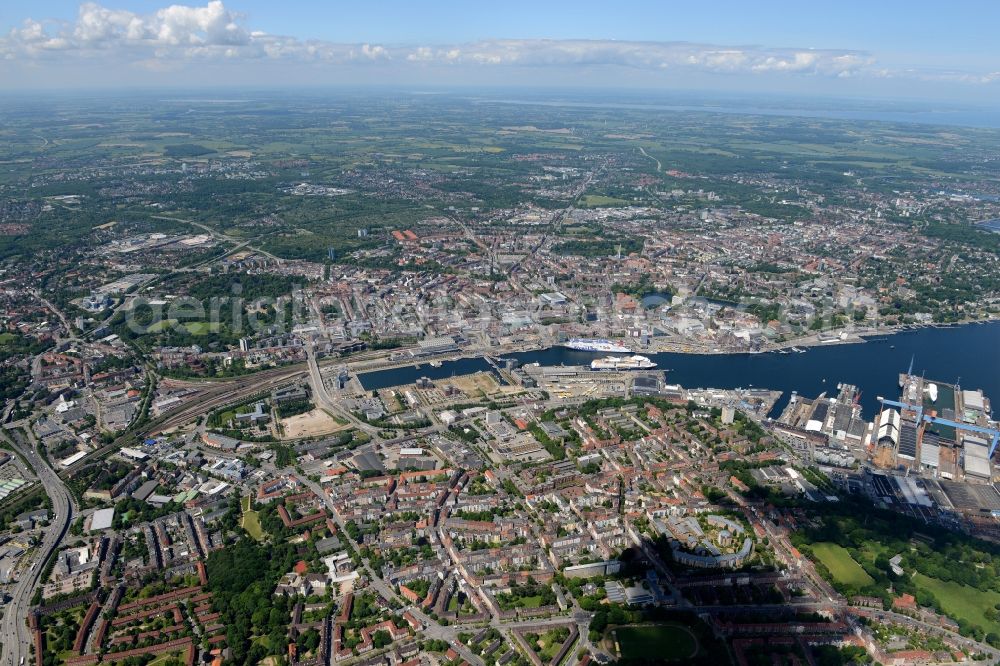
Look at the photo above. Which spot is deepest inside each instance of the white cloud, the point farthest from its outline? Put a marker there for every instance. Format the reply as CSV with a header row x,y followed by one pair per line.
x,y
421,54
98,26
646,55
180,34
374,52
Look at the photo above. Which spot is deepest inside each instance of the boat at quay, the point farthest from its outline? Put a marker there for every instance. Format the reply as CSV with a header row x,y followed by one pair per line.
x,y
596,345
970,352
622,363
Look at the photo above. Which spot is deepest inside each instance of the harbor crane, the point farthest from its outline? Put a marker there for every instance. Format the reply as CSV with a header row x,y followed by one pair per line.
x,y
992,433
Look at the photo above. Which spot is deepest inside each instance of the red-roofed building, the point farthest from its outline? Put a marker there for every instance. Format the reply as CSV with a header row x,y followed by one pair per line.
x,y
906,657
410,595
412,621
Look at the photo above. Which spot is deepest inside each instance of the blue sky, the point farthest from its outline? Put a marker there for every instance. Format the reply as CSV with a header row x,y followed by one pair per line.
x,y
902,27
879,48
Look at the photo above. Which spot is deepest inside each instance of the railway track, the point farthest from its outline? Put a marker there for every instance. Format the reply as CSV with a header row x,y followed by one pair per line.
x,y
218,397
215,394
213,397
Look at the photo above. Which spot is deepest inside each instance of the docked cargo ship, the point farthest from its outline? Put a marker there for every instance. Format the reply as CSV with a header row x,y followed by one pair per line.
x,y
622,363
596,345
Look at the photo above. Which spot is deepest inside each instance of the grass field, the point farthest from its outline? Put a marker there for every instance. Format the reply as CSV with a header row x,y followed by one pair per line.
x,y
961,601
551,642
201,327
161,325
841,565
7,338
596,200
528,602
166,657
251,521
668,642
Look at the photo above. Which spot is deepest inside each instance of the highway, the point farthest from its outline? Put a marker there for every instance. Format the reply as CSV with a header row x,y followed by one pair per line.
x,y
323,399
215,394
238,243
14,634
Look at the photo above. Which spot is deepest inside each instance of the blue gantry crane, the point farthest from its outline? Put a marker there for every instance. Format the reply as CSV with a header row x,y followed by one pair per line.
x,y
992,433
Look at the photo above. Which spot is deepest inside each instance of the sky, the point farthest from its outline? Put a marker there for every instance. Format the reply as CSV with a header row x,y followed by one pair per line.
x,y
885,49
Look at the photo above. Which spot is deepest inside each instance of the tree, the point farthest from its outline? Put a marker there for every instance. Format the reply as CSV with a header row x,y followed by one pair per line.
x,y
381,638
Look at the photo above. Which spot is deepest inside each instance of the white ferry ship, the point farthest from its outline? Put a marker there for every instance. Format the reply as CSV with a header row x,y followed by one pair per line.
x,y
597,345
622,363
